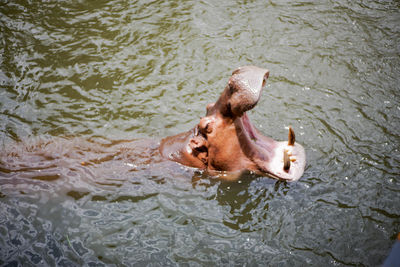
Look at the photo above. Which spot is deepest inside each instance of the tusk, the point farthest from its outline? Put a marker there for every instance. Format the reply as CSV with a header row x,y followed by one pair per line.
x,y
291,137
286,160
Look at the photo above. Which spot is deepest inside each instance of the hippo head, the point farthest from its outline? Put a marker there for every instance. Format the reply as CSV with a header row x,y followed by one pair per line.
x,y
225,139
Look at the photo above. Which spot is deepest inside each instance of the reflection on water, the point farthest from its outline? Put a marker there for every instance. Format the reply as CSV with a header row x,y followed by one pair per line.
x,y
88,88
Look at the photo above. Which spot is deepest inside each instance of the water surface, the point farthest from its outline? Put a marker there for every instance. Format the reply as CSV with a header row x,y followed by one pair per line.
x,y
88,88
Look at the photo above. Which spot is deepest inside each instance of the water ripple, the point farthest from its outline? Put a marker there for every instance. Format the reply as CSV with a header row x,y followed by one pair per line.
x,y
107,73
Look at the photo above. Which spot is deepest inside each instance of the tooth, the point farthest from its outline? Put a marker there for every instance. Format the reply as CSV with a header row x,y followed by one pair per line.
x,y
291,137
286,161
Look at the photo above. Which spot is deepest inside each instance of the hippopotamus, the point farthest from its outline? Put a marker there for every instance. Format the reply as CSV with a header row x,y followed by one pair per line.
x,y
224,143
226,140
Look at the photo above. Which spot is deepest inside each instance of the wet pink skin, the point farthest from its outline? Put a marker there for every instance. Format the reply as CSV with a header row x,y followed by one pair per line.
x,y
226,140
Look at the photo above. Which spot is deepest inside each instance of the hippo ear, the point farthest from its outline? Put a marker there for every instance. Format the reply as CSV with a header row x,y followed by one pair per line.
x,y
243,90
209,108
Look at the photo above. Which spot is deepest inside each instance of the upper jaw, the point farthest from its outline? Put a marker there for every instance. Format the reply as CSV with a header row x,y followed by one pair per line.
x,y
242,91
246,85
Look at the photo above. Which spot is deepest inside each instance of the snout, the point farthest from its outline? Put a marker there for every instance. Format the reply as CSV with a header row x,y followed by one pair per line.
x,y
245,87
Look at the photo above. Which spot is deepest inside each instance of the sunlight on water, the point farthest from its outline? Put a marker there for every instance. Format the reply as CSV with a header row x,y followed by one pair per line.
x,y
88,88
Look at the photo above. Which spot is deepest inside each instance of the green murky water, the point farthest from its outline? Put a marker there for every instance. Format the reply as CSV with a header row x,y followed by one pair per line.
x,y
88,88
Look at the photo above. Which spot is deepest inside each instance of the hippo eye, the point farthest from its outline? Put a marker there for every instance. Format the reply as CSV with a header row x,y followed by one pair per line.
x,y
206,126
207,129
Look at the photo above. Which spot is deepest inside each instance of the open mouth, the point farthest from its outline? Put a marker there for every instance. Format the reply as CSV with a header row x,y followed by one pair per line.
x,y
277,159
259,148
248,127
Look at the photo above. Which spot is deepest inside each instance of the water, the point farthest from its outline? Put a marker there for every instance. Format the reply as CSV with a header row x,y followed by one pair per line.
x,y
88,88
